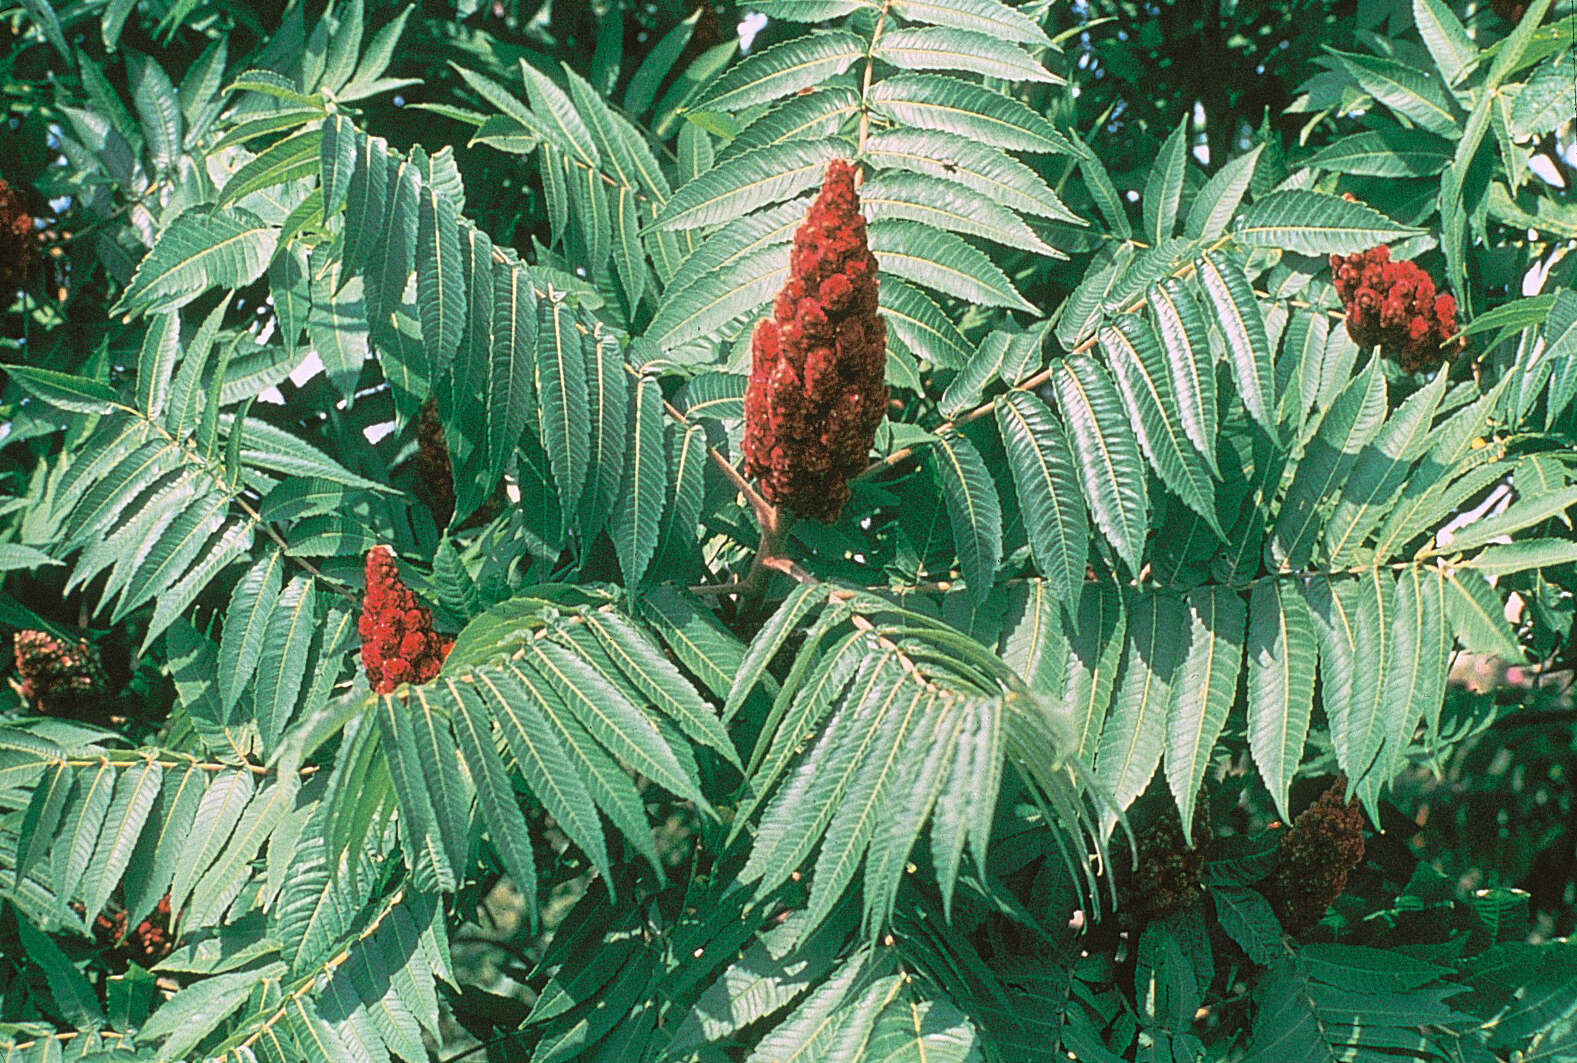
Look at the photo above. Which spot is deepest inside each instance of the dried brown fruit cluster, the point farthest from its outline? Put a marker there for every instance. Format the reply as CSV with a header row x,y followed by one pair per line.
x,y
18,242
1166,876
1314,859
432,463
1393,305
398,643
58,678
818,374
1510,10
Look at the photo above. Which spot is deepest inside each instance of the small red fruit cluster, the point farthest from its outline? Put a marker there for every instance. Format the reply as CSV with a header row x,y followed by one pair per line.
x,y
1314,858
58,678
398,643
145,946
818,371
1394,305
18,242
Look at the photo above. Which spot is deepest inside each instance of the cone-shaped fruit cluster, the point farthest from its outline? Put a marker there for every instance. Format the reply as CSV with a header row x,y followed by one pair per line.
x,y
398,643
817,379
18,242
1314,858
1394,305
58,678
432,463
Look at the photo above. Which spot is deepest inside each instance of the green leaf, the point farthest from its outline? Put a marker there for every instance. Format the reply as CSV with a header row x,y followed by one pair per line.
x,y
973,509
448,788
947,48
1163,189
1135,733
294,157
73,849
1110,469
656,678
135,793
1316,223
989,17
440,277
657,65
1281,655
988,171
637,517
918,324
1478,617
561,369
942,262
1048,494
495,797
942,204
755,179
1411,93
1190,360
1203,693
1524,513
700,309
158,109
283,664
1547,98
1363,731
752,667
1509,558
524,706
613,720
1415,686
1324,468
784,69
68,986
1390,151
936,101
420,836
1380,472
1446,38
608,392
1134,353
508,393
198,251
217,813
252,603
1238,316
63,391
1218,201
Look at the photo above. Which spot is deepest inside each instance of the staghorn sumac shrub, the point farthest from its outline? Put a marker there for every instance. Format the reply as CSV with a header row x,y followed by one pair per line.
x,y
801,529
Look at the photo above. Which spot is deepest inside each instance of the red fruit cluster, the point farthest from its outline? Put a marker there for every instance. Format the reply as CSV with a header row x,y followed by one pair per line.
x,y
398,643
1510,10
149,943
818,371
1393,305
18,242
58,678
1314,859
432,463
